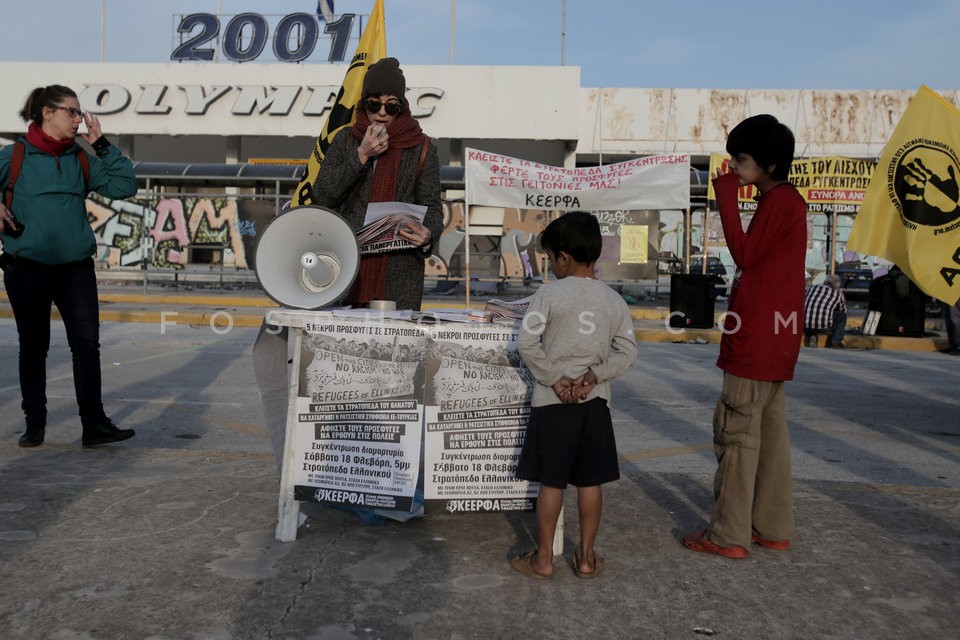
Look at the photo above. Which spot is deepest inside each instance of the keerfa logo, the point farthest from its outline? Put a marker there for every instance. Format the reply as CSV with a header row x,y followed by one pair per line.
x,y
922,183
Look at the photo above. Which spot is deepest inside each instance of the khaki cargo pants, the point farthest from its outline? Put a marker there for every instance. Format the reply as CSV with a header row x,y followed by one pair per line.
x,y
753,489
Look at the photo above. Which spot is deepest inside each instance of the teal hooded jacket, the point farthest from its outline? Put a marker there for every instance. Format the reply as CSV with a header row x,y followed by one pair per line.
x,y
49,200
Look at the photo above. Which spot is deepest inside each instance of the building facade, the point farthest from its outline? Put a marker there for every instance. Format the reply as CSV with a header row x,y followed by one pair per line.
x,y
192,113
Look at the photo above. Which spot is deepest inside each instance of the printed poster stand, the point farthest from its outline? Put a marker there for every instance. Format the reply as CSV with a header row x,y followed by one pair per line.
x,y
363,395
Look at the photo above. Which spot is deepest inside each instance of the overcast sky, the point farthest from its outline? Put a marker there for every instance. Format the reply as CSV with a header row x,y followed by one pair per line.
x,y
817,44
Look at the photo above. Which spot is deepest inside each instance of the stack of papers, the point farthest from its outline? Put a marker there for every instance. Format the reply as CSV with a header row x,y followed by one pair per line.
x,y
454,315
380,230
504,310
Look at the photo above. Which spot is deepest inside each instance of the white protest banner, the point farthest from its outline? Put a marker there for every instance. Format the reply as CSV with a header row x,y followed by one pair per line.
x,y
651,182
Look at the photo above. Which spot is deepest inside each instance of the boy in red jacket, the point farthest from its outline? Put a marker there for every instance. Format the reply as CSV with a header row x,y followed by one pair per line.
x,y
762,331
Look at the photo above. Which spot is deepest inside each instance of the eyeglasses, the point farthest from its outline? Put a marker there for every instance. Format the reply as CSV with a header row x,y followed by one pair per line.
x,y
70,110
374,106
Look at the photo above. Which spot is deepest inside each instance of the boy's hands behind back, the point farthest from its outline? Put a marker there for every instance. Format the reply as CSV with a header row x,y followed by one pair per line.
x,y
573,391
564,390
583,385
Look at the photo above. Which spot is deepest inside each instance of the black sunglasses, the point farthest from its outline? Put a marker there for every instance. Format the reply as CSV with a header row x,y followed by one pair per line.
x,y
373,106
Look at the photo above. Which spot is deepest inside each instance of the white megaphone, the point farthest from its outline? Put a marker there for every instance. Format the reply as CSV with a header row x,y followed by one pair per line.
x,y
307,258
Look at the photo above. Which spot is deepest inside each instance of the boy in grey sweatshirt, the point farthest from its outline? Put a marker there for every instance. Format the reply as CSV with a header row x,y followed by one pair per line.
x,y
576,336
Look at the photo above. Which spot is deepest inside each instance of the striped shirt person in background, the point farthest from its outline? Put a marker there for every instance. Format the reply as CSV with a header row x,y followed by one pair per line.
x,y
825,311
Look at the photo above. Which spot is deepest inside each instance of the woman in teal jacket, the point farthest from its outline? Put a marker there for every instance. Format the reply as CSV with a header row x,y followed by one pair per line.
x,y
48,246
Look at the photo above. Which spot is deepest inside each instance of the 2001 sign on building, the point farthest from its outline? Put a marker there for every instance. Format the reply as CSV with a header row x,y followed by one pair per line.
x,y
295,37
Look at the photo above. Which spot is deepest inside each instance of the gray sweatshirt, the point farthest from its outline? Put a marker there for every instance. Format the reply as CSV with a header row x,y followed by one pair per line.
x,y
572,325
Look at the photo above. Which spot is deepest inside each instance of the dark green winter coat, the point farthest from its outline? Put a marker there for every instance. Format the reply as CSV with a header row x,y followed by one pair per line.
x,y
49,200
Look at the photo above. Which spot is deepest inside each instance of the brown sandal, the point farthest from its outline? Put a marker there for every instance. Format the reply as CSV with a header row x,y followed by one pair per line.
x,y
524,564
598,566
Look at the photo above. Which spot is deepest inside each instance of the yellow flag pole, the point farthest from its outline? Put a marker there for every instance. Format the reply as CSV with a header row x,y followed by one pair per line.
x,y
371,48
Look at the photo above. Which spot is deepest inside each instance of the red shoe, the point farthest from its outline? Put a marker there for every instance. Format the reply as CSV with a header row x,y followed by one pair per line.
x,y
698,541
779,545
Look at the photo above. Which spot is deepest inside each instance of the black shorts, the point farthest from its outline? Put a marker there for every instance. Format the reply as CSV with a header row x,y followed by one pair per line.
x,y
570,443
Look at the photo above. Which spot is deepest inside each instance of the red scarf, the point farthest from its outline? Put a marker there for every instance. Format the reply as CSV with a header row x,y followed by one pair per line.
x,y
404,132
38,138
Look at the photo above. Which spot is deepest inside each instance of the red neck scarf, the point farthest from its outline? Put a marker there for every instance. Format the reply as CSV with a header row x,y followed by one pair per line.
x,y
404,132
38,138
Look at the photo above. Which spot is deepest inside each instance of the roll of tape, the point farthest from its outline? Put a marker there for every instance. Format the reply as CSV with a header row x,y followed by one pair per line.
x,y
383,305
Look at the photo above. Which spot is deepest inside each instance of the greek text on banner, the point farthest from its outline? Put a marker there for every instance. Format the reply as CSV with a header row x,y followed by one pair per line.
x,y
650,182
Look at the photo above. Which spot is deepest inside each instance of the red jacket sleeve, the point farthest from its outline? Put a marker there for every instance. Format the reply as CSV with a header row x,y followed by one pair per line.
x,y
746,247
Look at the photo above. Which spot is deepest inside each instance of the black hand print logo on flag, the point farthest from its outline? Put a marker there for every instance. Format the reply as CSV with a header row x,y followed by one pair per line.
x,y
925,185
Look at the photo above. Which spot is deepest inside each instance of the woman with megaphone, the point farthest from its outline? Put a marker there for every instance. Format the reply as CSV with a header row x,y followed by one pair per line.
x,y
385,157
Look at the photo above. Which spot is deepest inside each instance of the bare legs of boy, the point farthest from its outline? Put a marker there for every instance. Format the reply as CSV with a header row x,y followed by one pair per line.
x,y
549,504
586,564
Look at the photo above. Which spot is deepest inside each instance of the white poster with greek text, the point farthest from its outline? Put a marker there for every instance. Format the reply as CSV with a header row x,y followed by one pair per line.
x,y
650,182
477,400
360,413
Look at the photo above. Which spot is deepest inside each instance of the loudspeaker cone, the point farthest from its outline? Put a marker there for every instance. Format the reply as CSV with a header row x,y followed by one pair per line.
x,y
319,271
307,258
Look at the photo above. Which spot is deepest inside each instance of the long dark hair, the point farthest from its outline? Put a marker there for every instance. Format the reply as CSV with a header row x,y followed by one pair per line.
x,y
41,97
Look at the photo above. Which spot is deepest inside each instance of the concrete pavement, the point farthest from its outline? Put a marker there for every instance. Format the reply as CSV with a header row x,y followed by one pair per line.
x,y
170,534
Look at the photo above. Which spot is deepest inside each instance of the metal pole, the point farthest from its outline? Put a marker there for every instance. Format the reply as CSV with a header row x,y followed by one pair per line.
x,y
453,12
563,36
466,248
102,31
219,31
833,242
143,240
600,97
703,241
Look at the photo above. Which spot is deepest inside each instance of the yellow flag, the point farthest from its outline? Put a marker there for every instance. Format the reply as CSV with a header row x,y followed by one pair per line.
x,y
372,47
911,210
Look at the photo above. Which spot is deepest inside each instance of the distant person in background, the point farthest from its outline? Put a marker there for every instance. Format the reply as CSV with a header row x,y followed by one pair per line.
x,y
951,320
752,486
384,157
49,261
901,303
825,310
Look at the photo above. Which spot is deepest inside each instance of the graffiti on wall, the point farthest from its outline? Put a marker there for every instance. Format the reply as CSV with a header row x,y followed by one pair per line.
x,y
167,233
176,232
504,246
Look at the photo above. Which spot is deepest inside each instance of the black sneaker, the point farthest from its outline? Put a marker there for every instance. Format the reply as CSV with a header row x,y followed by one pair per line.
x,y
33,436
104,432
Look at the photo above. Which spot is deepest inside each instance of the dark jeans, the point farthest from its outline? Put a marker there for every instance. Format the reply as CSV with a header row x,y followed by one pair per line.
x,y
836,331
31,288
